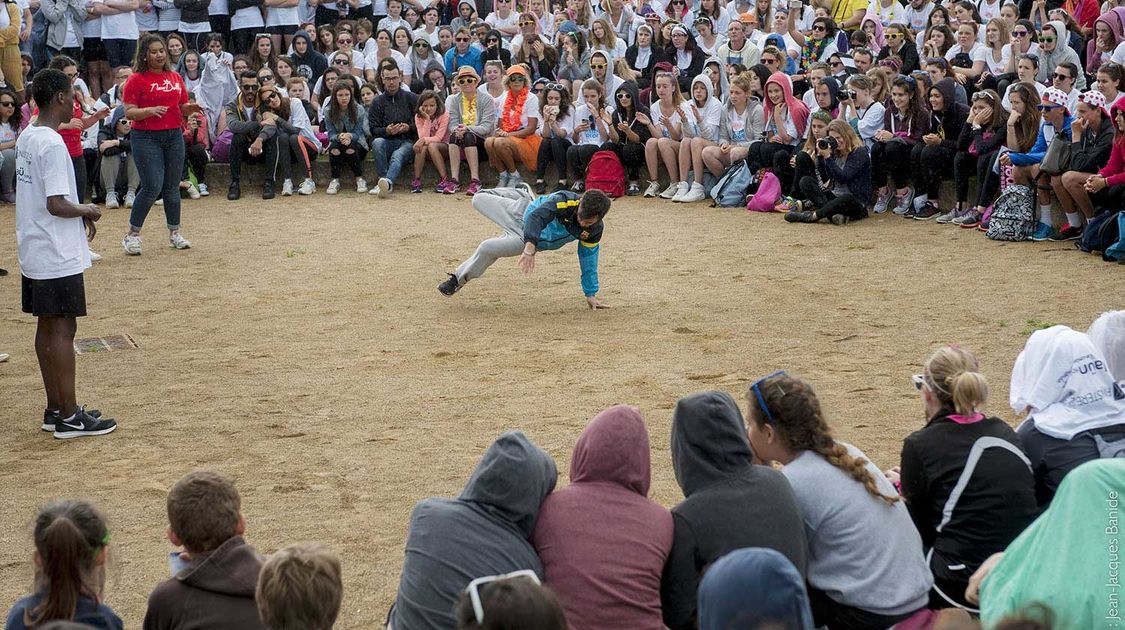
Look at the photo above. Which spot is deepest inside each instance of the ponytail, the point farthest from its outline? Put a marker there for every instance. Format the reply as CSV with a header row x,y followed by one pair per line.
x,y
952,373
69,535
795,414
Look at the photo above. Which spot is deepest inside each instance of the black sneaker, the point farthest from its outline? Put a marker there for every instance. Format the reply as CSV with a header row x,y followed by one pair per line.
x,y
51,417
267,189
540,187
839,219
82,424
235,192
1067,233
927,212
450,286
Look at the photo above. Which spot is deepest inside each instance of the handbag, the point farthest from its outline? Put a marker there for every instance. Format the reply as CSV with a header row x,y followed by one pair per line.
x,y
220,149
1057,159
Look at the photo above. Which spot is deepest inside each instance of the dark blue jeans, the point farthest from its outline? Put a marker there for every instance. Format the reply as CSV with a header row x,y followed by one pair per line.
x,y
159,156
119,52
391,154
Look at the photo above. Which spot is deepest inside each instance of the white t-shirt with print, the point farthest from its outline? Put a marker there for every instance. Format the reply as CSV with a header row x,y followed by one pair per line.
x,y
591,135
50,247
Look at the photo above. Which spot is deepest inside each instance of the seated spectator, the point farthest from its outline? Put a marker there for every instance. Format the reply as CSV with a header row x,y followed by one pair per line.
x,y
295,138
860,109
938,68
787,119
905,122
1108,335
1027,66
803,162
981,138
463,54
589,131
346,125
515,601
965,478
629,133
514,139
1056,120
485,531
866,568
729,503
117,162
299,587
932,158
900,48
753,588
741,120
197,146
556,124
10,126
1092,134
1075,409
310,64
842,162
253,140
214,578
1059,557
472,117
431,123
71,538
666,119
603,543
701,130
391,120
643,55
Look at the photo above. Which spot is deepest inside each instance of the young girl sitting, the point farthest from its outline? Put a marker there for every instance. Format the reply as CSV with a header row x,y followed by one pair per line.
x,y
628,134
981,139
556,123
70,553
700,132
346,124
786,122
592,120
515,139
666,123
432,123
740,122
904,124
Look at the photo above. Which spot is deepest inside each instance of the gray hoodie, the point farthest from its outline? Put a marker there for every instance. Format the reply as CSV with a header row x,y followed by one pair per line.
x,y
1062,53
485,531
729,502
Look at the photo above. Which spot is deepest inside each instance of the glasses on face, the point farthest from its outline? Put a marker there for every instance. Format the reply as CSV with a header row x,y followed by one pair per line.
x,y
71,75
516,78
492,40
757,389
1061,77
1047,108
768,62
1019,33
265,77
340,62
819,28
1046,40
894,36
249,87
12,104
343,42
269,96
466,81
598,66
837,64
679,2
462,40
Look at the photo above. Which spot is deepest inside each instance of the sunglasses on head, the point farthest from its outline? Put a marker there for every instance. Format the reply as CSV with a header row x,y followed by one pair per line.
x,y
558,87
474,589
756,387
980,96
919,381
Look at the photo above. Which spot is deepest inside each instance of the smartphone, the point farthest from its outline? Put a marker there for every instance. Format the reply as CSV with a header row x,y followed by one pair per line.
x,y
795,4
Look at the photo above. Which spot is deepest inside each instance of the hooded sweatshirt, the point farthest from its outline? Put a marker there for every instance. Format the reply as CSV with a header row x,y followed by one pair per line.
x,y
1114,170
876,42
1108,335
729,502
745,128
602,542
948,123
215,591
753,588
1092,153
1114,19
707,126
798,112
619,115
310,65
1062,53
484,531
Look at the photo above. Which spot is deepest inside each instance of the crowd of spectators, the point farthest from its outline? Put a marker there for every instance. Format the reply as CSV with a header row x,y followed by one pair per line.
x,y
782,525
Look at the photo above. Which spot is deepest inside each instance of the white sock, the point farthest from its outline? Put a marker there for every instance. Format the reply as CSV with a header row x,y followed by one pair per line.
x,y
1074,219
1045,214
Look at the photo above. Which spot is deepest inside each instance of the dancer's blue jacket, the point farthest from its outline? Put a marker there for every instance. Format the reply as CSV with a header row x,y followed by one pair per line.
x,y
551,221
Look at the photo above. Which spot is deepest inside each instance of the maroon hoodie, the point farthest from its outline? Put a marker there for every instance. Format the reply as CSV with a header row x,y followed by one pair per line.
x,y
602,542
216,592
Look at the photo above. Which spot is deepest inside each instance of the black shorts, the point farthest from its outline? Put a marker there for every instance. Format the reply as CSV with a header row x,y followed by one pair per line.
x,y
57,297
283,29
93,49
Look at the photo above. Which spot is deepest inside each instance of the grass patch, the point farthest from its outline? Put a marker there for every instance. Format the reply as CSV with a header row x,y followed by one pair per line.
x,y
1035,324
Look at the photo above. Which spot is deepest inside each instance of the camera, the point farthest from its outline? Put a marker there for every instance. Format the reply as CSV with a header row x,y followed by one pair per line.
x,y
847,95
827,142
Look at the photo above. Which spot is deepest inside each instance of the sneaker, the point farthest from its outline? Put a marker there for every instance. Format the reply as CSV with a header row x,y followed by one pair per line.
x,y
948,217
559,187
130,197
132,244
540,187
682,190
1067,233
307,187
904,203
882,201
502,180
384,187
234,193
333,187
983,227
928,211
82,424
653,189
970,219
51,417
360,185
287,188
450,286
440,187
633,190
203,190
267,189
111,201
416,185
158,202
514,180
670,191
839,219
451,187
695,193
95,256
918,202
1042,232
474,187
193,192
578,186
177,241
801,216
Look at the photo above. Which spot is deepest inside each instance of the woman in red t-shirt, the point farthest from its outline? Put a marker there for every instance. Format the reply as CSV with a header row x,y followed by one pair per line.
x,y
156,100
71,132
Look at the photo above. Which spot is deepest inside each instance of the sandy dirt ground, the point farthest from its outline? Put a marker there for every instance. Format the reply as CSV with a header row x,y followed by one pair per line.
x,y
302,348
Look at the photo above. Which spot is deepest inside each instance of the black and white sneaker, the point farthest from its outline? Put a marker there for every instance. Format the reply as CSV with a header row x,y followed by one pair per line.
x,y
450,286
51,417
82,424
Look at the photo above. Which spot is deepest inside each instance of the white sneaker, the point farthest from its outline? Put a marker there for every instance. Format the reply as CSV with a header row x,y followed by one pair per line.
x,y
360,185
132,244
515,180
653,189
111,201
287,188
882,201
670,191
308,187
95,256
177,241
694,194
681,191
203,190
192,192
385,187
130,197
333,187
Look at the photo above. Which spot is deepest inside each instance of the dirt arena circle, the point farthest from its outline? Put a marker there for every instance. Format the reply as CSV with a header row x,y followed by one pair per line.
x,y
301,347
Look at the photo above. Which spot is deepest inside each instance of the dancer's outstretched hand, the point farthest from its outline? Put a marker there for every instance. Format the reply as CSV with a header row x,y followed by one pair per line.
x,y
527,262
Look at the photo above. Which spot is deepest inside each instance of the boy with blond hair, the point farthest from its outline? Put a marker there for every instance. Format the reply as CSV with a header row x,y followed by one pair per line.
x,y
300,588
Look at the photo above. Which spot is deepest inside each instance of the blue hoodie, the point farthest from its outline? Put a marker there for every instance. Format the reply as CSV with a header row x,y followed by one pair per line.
x,y
753,588
1037,152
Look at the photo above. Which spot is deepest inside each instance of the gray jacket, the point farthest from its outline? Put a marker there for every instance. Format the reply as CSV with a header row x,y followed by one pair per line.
x,y
57,12
486,114
753,123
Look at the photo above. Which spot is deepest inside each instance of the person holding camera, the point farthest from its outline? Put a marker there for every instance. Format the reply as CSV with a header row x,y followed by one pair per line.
x,y
841,188
860,110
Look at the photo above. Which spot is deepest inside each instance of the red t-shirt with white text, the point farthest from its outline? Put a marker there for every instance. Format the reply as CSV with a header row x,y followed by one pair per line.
x,y
152,89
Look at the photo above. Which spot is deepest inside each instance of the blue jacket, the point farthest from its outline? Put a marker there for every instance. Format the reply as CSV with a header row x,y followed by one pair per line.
x,y
88,612
551,221
1039,151
471,58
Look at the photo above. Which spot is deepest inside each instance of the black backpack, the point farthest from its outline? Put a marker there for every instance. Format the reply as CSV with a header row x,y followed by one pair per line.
x,y
1100,234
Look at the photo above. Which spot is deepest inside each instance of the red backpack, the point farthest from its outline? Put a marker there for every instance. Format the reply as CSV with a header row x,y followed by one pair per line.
x,y
606,174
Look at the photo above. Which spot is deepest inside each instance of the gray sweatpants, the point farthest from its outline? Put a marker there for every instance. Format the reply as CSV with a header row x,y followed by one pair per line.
x,y
504,207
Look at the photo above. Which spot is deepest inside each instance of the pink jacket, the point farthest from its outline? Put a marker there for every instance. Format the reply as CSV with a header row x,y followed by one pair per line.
x,y
433,130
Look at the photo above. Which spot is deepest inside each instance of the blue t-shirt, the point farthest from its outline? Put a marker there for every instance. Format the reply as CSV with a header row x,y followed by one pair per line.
x,y
88,611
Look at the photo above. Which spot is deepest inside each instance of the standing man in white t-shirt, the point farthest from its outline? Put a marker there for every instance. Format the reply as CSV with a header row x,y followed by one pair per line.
x,y
51,233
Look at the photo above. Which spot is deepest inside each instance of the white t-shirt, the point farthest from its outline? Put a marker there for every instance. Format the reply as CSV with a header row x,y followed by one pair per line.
x,y
977,52
218,7
916,18
988,11
1118,55
50,247
250,17
498,22
282,16
120,26
93,28
530,108
591,135
147,19
677,118
1007,103
997,67
888,15
565,122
